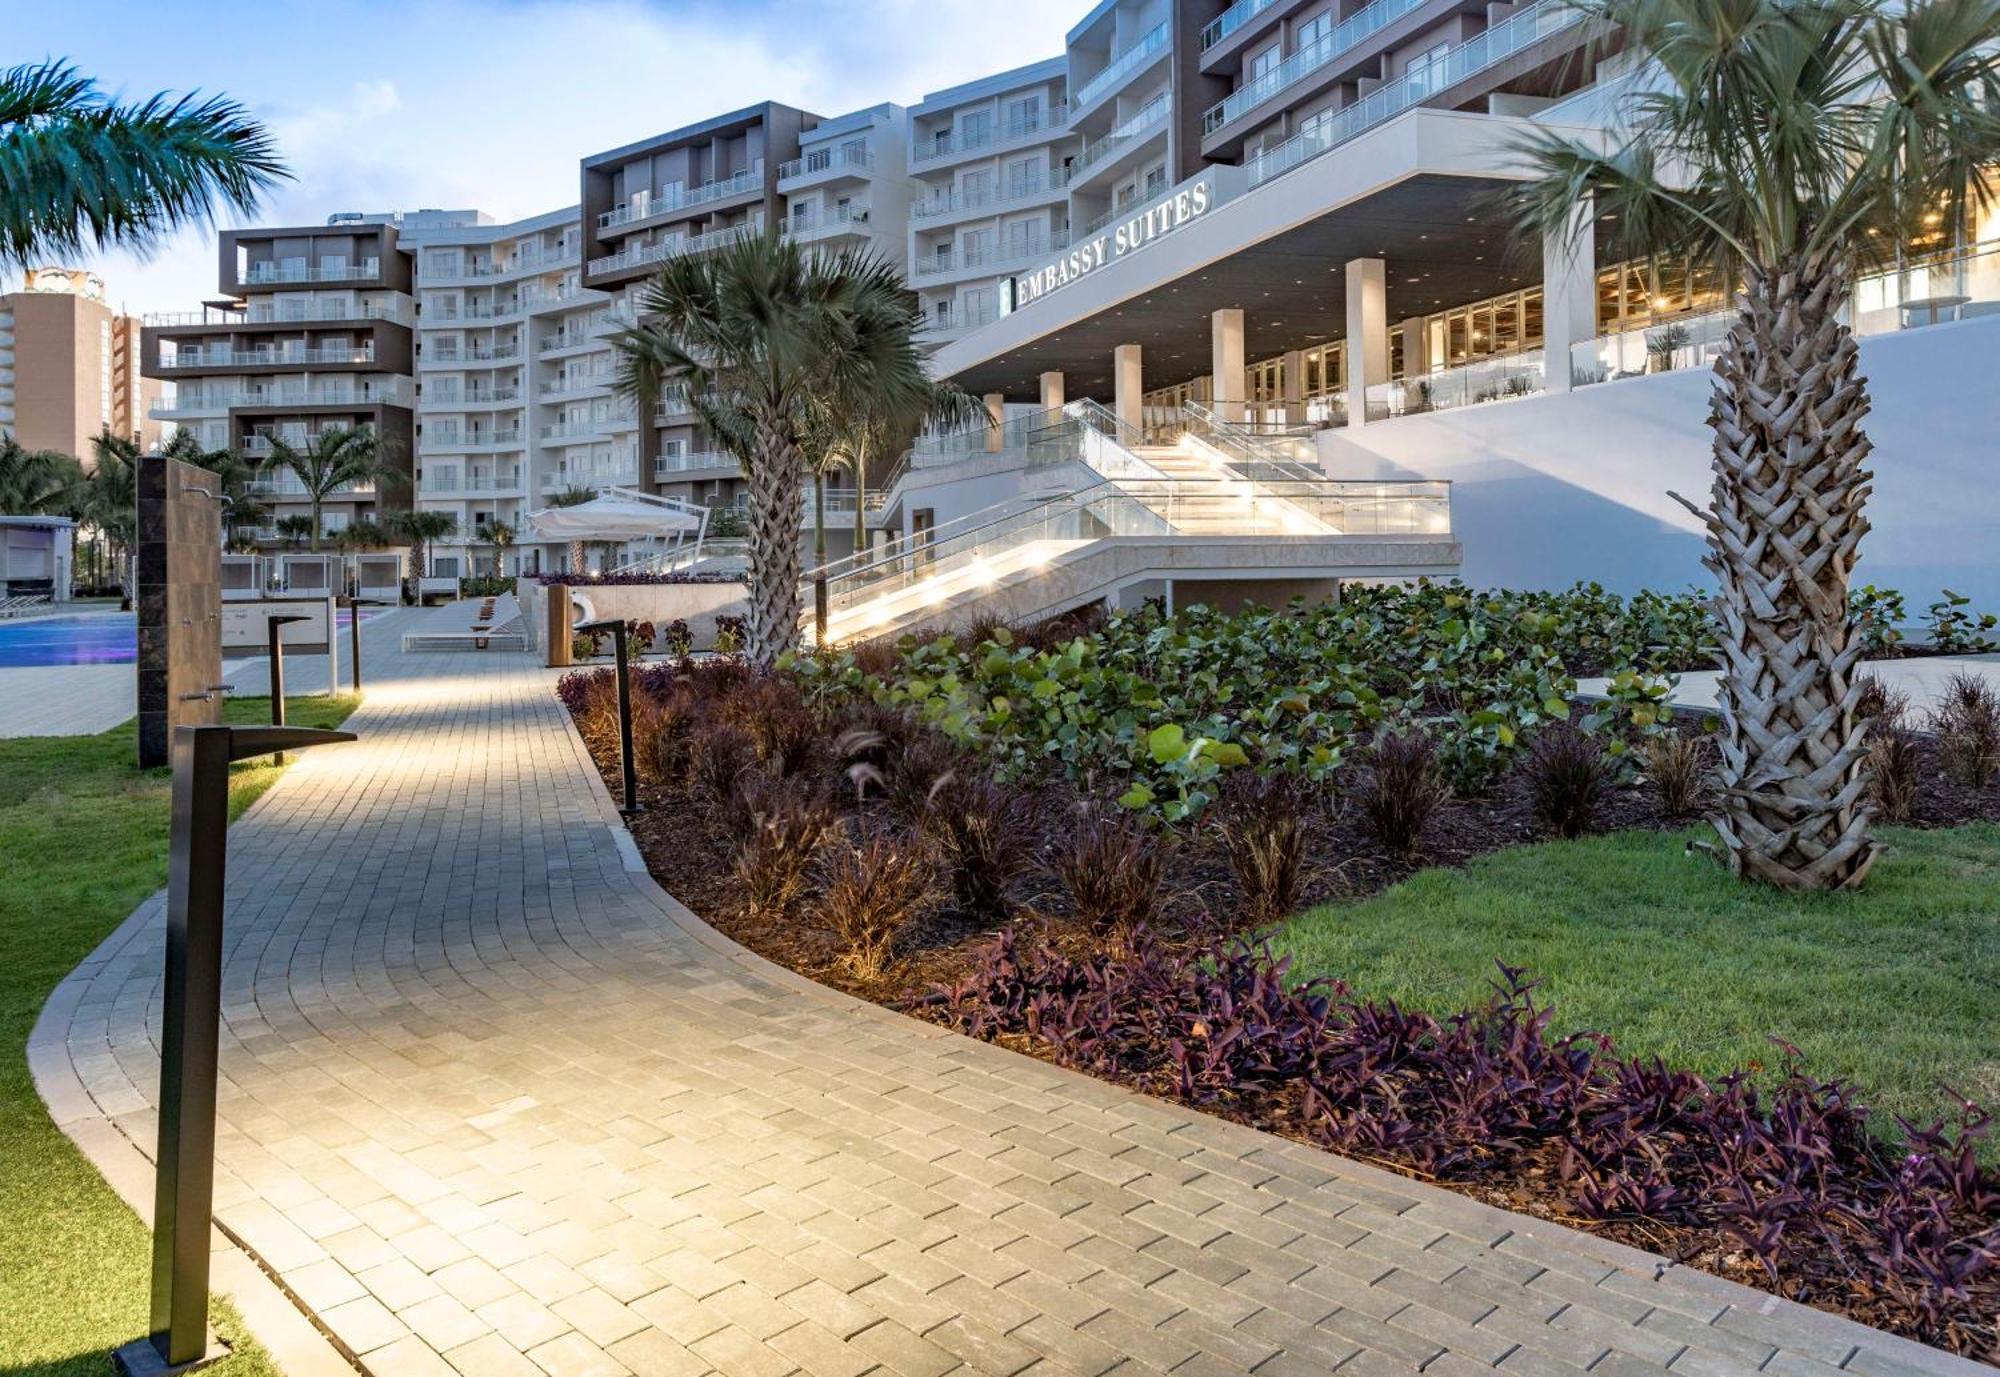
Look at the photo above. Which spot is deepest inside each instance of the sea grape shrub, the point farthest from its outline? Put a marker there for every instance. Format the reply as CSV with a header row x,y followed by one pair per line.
x,y
987,836
1794,1175
1112,870
1261,821
875,883
1568,774
1967,722
1404,787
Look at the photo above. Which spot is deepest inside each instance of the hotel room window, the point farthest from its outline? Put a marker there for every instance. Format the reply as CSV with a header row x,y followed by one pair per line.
x,y
1023,113
1313,32
975,127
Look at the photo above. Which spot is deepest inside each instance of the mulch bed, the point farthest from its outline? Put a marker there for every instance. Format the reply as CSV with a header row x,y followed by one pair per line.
x,y
688,852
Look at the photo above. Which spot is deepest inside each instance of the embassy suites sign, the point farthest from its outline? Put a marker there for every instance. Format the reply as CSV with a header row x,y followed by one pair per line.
x,y
1127,235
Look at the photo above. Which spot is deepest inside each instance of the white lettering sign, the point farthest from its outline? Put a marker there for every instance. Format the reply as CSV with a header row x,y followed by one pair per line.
x,y
1126,236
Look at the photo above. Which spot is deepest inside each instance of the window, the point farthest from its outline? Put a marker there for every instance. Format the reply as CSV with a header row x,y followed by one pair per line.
x,y
975,246
1314,31
1261,65
975,127
1023,176
1021,238
1023,113
854,151
1156,181
976,188
1426,69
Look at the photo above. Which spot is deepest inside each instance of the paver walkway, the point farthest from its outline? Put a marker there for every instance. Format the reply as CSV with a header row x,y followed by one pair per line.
x,y
492,1103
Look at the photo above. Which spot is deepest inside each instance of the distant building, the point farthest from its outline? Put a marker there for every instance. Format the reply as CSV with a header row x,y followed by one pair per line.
x,y
69,366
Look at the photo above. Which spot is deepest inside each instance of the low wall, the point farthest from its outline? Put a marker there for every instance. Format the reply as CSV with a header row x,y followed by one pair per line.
x,y
1551,489
697,604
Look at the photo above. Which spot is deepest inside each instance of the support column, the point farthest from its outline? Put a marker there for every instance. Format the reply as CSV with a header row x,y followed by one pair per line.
x,y
1128,386
1569,295
996,416
1367,333
1416,347
1225,343
1295,388
1052,391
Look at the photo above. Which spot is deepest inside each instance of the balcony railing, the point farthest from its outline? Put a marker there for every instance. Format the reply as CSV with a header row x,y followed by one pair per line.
x,y
1502,41
453,353
645,205
520,263
959,318
476,396
198,357
573,430
1305,61
816,222
259,273
965,141
673,248
997,197
562,387
1518,373
821,160
667,464
1141,126
932,264
394,393
1232,19
449,481
1121,67
446,437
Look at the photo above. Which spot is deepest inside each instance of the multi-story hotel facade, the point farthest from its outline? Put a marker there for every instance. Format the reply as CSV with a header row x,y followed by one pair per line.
x,y
69,366
1273,211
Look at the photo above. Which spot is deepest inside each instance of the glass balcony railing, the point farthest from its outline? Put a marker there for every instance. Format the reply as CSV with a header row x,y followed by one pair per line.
x,y
966,140
1502,41
1232,19
673,248
994,197
1000,255
1121,67
260,273
1305,61
645,205
1519,373
820,160
1141,126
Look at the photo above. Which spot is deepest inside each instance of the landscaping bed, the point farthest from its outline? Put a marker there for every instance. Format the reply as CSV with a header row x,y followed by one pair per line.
x,y
1058,840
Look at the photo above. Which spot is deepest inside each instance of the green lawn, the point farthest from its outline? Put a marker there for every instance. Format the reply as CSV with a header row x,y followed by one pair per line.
x,y
1895,989
83,839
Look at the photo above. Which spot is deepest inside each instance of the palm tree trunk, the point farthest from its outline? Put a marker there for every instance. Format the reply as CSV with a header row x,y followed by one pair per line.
x,y
819,520
315,529
1784,521
775,482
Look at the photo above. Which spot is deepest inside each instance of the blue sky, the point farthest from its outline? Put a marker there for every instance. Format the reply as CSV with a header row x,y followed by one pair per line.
x,y
489,104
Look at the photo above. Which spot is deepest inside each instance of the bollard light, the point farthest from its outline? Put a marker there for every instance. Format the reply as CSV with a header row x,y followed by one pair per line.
x,y
276,651
618,649
354,606
184,1182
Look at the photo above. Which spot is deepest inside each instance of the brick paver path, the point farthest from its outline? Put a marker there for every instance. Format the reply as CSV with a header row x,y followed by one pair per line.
x,y
495,1104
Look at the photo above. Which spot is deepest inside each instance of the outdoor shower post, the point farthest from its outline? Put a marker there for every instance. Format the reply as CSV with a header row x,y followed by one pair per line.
x,y
184,1182
617,628
276,651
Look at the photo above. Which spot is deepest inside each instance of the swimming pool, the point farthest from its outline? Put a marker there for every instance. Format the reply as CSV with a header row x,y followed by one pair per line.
x,y
106,638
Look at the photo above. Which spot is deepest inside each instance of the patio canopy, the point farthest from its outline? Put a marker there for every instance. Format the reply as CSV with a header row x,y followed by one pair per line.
x,y
611,518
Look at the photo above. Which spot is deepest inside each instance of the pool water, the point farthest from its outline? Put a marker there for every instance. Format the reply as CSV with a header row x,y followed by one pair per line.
x,y
105,638
110,638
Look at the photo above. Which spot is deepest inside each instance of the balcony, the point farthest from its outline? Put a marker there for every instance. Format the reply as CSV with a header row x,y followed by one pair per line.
x,y
955,321
959,202
1303,63
520,263
990,260
448,482
957,142
1121,69
825,224
283,484
475,396
829,160
565,387
645,205
573,431
672,248
461,354
676,466
397,312
220,357
1503,40
1232,19
1098,153
450,437
263,274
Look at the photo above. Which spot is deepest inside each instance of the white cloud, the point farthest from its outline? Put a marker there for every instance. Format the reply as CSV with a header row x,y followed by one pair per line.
x,y
486,104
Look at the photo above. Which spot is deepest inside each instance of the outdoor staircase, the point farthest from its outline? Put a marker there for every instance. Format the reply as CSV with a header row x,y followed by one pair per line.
x,y
1218,503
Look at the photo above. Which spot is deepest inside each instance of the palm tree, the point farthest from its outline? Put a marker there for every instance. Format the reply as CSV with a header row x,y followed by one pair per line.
x,y
110,499
850,432
1791,143
755,331
500,536
294,530
335,459
80,172
37,482
574,497
422,529
362,533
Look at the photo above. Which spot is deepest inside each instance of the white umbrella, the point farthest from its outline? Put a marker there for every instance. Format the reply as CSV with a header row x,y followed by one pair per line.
x,y
611,519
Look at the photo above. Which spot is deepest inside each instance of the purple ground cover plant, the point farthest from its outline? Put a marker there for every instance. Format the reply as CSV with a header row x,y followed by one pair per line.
x,y
1789,1178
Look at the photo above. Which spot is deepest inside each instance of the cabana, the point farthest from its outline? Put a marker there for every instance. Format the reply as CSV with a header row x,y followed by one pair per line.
x,y
242,577
378,576
625,516
310,575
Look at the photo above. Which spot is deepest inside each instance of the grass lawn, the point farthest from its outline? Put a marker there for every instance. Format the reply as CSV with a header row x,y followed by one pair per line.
x,y
83,837
1895,990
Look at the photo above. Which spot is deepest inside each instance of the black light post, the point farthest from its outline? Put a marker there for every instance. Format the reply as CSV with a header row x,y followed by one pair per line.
x,y
618,632
184,1190
354,606
276,651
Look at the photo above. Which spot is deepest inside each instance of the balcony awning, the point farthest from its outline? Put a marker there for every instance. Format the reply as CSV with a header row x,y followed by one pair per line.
x,y
611,518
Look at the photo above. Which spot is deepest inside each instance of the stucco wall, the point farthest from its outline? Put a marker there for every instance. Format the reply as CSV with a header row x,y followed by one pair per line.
x,y
698,604
1551,489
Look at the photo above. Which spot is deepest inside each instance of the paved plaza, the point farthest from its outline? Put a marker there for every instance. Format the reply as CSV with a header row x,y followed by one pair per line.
x,y
494,1104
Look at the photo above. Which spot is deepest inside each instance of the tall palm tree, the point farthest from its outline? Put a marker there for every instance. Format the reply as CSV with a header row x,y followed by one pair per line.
x,y
294,530
1791,143
422,529
110,499
501,537
853,430
334,460
82,172
37,482
755,331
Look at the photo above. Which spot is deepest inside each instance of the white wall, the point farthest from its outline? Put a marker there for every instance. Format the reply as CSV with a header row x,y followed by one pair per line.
x,y
1548,490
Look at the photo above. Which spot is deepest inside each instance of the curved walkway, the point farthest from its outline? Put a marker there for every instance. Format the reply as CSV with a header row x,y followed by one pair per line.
x,y
494,1104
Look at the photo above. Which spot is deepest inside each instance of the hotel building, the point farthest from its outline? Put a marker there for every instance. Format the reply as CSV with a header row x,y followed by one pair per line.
x,y
69,366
